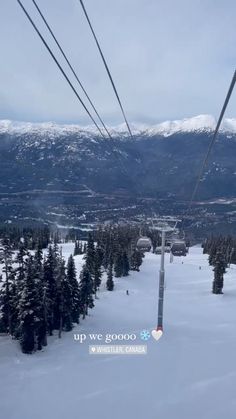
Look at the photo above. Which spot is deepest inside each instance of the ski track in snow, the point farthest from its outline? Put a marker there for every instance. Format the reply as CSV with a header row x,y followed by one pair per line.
x,y
189,373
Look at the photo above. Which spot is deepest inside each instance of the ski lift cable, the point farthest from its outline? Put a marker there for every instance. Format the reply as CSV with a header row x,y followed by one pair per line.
x,y
70,66
59,66
71,85
106,66
205,160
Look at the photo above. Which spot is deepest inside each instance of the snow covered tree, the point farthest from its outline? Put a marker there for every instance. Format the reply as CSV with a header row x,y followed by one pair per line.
x,y
97,270
41,333
125,264
86,291
49,280
90,255
219,270
118,265
20,260
212,255
74,286
110,282
136,260
63,301
28,308
6,300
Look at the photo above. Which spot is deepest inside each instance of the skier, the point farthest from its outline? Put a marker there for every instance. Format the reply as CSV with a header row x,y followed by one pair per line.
x,y
127,292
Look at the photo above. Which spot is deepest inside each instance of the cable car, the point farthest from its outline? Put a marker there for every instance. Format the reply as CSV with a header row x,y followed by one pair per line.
x,y
144,244
178,248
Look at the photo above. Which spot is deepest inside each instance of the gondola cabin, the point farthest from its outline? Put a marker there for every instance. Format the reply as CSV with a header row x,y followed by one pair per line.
x,y
144,244
178,248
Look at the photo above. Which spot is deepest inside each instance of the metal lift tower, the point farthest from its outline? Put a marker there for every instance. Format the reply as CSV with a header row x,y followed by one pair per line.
x,y
164,225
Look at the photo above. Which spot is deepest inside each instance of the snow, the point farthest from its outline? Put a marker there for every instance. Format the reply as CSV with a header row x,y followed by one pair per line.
x,y
167,128
230,124
200,122
189,373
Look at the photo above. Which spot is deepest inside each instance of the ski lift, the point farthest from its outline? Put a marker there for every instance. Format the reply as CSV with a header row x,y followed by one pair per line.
x,y
144,244
178,248
167,224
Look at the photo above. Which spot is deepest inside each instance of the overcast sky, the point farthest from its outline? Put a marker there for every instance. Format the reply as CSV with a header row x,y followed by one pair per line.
x,y
170,59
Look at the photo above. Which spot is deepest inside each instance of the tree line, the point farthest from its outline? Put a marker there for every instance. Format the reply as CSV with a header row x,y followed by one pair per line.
x,y
41,293
31,236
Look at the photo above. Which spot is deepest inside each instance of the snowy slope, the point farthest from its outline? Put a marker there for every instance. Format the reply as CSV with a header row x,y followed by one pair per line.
x,y
189,373
52,130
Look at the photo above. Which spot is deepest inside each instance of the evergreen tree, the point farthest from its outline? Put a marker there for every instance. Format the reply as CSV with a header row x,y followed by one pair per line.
x,y
63,301
107,249
41,332
86,291
136,260
125,264
118,266
20,260
67,321
110,282
74,286
97,270
219,270
28,308
6,253
90,255
49,271
212,255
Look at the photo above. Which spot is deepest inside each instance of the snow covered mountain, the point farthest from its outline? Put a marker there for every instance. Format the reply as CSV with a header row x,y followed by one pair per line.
x,y
167,128
161,161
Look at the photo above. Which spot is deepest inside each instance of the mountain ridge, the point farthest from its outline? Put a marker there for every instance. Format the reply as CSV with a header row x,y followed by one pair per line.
x,y
167,128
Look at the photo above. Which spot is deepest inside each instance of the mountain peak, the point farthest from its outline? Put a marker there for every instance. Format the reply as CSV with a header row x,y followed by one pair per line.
x,y
167,128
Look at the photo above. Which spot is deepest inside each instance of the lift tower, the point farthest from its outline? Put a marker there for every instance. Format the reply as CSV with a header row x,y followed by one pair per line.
x,y
164,225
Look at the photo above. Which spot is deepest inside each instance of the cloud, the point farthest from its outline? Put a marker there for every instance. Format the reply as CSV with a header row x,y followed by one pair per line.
x,y
169,59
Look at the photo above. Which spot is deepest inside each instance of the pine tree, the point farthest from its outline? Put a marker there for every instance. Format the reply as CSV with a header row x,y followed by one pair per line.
x,y
20,260
28,307
212,254
107,249
118,266
85,291
97,270
6,253
41,332
49,271
110,282
90,255
219,270
125,264
136,260
67,320
8,305
74,286
63,300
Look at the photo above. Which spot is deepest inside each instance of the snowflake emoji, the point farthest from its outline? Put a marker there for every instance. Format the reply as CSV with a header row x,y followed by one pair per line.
x,y
145,335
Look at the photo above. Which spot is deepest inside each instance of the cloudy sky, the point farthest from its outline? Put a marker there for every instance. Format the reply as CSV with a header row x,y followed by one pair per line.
x,y
170,59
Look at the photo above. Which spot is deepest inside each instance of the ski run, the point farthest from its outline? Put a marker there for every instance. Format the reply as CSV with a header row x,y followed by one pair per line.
x,y
190,373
